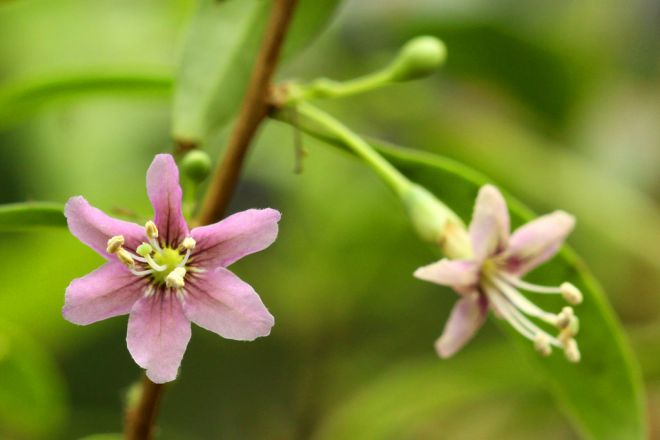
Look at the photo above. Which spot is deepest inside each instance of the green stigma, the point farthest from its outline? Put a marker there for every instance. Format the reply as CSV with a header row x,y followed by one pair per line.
x,y
168,257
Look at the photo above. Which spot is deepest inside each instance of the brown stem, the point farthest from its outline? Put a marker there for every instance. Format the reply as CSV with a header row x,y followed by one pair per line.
x,y
253,111
140,417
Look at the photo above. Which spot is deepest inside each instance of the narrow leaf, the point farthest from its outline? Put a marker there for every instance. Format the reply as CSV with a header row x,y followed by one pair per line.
x,y
22,216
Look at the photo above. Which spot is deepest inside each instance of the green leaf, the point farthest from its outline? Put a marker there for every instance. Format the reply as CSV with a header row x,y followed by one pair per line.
x,y
411,392
22,216
602,394
218,55
21,99
32,401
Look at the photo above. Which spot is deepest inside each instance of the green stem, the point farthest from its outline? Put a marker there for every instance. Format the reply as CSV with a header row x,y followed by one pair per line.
x,y
328,88
397,181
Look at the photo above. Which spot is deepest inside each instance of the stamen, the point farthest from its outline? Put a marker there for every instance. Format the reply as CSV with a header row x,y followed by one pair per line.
x,y
565,317
114,244
571,294
515,281
152,234
185,259
517,320
542,345
175,278
155,266
142,273
571,351
188,243
522,303
125,257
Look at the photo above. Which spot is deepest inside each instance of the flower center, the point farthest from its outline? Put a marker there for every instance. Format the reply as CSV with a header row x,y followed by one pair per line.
x,y
164,265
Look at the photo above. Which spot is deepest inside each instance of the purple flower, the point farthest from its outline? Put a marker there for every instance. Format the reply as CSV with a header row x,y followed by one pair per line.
x,y
166,276
491,278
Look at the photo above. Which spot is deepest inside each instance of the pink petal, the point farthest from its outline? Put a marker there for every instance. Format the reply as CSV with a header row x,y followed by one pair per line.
x,y
241,234
537,241
489,229
165,195
467,316
458,274
91,226
110,290
219,301
158,333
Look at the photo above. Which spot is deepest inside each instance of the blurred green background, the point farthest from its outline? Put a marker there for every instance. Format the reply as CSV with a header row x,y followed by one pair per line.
x,y
557,101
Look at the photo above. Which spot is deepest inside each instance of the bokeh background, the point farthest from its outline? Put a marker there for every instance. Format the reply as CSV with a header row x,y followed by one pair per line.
x,y
557,101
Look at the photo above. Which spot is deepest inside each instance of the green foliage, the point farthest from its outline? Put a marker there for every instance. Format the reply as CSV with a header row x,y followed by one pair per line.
x,y
219,52
22,99
29,215
602,394
32,402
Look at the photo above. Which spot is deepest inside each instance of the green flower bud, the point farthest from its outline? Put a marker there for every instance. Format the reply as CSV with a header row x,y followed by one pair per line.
x,y
418,58
435,223
196,165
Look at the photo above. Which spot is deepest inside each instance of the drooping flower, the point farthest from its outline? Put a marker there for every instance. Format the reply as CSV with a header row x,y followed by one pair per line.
x,y
166,276
492,278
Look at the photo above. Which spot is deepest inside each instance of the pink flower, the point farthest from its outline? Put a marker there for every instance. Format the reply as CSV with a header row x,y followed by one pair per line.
x,y
491,278
166,276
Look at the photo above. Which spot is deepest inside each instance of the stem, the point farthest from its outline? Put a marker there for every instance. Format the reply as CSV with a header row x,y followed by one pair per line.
x,y
140,418
327,88
397,181
256,105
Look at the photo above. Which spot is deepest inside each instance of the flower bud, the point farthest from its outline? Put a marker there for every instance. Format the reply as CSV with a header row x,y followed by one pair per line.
x,y
196,165
418,58
436,223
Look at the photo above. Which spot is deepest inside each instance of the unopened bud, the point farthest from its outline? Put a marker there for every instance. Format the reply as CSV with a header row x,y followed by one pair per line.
x,y
418,58
196,165
436,223
114,244
571,294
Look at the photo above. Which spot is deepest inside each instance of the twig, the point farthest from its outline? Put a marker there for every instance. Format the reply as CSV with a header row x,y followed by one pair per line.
x,y
253,111
255,107
140,418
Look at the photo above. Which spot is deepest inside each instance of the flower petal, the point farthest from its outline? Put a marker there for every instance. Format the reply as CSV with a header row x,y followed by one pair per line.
x,y
165,195
537,241
458,274
110,290
489,229
158,333
467,316
93,227
241,234
219,301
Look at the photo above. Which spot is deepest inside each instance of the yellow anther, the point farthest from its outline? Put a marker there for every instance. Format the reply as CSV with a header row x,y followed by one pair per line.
x,y
571,294
188,243
175,278
151,229
542,345
114,244
565,317
571,351
125,257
